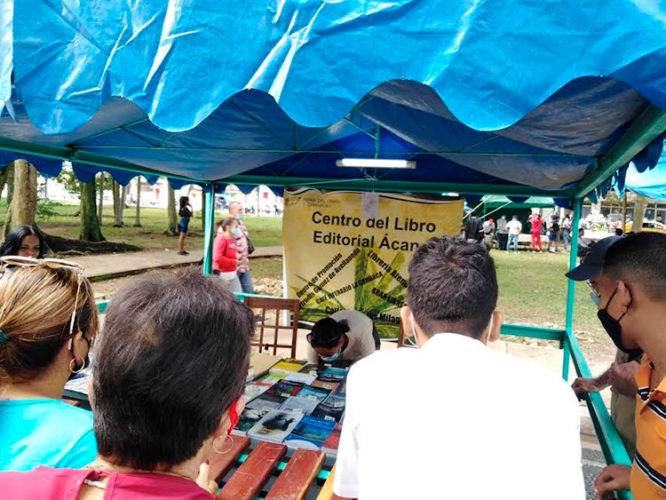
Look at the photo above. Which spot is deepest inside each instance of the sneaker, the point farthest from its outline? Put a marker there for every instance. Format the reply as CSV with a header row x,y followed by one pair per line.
x,y
183,253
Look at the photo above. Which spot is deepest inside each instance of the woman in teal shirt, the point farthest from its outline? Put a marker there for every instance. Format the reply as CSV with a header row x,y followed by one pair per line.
x,y
48,320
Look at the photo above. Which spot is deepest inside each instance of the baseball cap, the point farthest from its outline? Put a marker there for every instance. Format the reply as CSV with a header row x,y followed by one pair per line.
x,y
593,261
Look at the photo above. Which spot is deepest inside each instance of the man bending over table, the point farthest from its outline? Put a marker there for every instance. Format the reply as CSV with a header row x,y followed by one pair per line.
x,y
453,418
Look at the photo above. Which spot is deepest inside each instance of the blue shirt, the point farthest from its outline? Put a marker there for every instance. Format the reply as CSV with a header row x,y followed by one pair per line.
x,y
36,432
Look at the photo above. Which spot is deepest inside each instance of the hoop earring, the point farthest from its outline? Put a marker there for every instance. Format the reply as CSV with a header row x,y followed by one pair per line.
x,y
72,366
224,452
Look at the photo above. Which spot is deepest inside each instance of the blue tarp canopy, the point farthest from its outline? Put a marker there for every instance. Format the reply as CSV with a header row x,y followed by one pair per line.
x,y
514,96
651,183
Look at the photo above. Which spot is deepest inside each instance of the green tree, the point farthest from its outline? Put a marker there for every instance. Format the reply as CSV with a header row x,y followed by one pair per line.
x,y
137,222
172,214
23,206
90,229
119,195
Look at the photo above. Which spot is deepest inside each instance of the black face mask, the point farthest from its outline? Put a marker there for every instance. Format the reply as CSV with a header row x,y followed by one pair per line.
x,y
614,328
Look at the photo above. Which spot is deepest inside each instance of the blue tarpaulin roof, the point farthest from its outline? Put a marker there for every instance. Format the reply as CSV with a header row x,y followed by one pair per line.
x,y
516,96
651,183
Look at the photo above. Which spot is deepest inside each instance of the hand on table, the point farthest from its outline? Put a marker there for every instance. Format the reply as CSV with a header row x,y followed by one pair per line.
x,y
614,477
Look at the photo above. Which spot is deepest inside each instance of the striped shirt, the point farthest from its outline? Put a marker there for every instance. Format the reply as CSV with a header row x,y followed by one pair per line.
x,y
648,474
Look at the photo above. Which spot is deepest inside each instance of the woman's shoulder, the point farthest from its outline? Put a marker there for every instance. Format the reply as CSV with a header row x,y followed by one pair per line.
x,y
42,482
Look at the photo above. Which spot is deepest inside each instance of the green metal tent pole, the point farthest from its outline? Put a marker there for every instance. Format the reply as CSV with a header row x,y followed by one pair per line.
x,y
573,261
571,287
209,225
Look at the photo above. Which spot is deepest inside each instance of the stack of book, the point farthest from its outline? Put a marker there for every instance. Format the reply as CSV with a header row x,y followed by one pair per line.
x,y
293,405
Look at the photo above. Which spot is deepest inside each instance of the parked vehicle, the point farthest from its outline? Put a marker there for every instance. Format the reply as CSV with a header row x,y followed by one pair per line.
x,y
648,225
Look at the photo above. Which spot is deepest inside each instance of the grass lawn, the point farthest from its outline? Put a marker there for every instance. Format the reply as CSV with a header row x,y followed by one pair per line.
x,y
532,291
265,231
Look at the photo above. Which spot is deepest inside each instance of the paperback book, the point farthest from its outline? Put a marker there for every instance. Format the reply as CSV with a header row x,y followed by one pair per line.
x,y
247,419
285,388
271,378
330,386
315,393
310,433
254,390
266,401
288,365
332,408
332,442
275,426
303,378
333,375
299,405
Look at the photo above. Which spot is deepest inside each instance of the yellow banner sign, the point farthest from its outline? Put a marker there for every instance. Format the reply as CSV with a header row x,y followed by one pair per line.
x,y
350,250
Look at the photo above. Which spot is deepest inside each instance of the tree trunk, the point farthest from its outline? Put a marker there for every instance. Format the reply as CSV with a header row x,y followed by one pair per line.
x,y
24,201
100,206
123,202
624,211
9,171
90,229
3,178
639,214
118,204
203,205
172,214
137,222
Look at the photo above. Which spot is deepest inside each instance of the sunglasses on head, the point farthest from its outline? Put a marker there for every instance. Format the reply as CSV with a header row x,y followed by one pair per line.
x,y
17,261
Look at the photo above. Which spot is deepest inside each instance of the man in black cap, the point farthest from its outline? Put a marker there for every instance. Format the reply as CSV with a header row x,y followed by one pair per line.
x,y
620,375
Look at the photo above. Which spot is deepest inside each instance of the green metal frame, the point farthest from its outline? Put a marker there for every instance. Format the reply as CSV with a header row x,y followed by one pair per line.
x,y
209,228
648,126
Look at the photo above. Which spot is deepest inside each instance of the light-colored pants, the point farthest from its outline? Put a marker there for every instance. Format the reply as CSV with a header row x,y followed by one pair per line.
x,y
231,281
513,238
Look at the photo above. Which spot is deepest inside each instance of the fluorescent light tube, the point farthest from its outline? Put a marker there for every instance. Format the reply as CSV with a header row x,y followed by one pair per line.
x,y
374,163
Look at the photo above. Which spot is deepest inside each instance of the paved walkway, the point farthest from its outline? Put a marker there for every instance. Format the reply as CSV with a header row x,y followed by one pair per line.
x,y
105,266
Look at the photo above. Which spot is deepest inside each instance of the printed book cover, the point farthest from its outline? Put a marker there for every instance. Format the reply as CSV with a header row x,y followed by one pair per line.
x,y
315,393
299,405
285,388
332,442
288,365
331,386
332,408
309,433
333,374
275,426
271,378
309,368
254,390
266,400
303,378
247,419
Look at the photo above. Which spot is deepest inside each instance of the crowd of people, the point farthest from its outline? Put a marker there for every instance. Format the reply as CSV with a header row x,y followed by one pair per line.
x,y
504,234
460,419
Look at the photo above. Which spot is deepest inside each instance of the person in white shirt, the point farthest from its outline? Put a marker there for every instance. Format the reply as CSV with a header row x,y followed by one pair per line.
x,y
515,227
345,335
455,419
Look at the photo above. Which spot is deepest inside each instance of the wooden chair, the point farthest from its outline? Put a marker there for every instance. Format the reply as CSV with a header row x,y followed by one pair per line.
x,y
264,304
